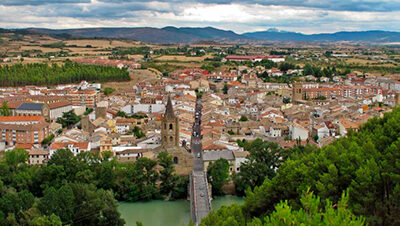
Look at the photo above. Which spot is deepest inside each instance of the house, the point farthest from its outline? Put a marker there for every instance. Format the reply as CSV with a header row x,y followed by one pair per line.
x,y
129,153
275,59
275,131
332,128
321,131
58,108
214,147
74,147
297,132
55,127
213,156
124,125
345,125
240,158
38,157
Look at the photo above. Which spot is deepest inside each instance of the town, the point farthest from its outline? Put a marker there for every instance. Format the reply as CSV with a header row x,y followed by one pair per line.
x,y
239,105
180,122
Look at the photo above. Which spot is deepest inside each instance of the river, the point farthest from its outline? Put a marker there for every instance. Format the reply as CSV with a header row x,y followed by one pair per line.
x,y
163,213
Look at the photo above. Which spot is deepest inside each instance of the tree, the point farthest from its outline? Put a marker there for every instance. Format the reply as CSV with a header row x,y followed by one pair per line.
x,y
16,158
243,118
311,213
172,186
137,131
5,111
286,100
143,180
94,206
69,72
52,220
59,202
48,139
263,160
226,215
285,66
68,119
107,91
166,174
225,89
320,98
218,175
360,162
88,111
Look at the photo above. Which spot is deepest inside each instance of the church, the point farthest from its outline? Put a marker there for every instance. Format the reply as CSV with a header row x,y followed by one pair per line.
x,y
183,160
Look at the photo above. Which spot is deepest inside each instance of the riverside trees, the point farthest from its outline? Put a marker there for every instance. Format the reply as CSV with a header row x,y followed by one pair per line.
x,y
82,189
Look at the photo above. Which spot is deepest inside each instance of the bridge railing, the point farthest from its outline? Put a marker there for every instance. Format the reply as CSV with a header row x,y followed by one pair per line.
x,y
193,200
207,191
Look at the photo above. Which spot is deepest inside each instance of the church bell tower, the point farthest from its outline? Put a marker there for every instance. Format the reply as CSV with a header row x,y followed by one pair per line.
x,y
170,127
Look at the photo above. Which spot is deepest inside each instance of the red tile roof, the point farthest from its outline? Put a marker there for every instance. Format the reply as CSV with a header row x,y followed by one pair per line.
x,y
59,145
20,118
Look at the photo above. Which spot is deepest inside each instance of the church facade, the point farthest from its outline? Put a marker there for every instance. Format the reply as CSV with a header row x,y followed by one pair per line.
x,y
170,143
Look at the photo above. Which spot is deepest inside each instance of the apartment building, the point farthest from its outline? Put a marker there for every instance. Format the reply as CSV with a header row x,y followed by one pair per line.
x,y
23,129
87,98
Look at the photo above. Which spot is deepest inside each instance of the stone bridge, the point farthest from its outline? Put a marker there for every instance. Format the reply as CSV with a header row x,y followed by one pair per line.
x,y
200,196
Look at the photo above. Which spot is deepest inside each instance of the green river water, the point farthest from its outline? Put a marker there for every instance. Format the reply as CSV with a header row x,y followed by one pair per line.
x,y
163,213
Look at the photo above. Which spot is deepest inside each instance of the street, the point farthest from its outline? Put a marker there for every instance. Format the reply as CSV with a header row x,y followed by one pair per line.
x,y
196,139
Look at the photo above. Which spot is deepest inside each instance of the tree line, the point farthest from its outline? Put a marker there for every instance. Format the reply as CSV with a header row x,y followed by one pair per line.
x,y
82,189
360,172
44,74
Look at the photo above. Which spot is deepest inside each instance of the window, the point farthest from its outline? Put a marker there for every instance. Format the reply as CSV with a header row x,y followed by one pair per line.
x,y
175,160
171,139
165,125
171,126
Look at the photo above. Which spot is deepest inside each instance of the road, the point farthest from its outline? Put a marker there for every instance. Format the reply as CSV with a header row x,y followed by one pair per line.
x,y
196,139
199,194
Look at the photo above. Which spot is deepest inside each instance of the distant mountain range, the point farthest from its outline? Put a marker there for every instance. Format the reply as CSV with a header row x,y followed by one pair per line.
x,y
191,35
353,36
151,35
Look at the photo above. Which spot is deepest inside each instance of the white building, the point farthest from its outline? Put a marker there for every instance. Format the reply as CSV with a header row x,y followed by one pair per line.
x,y
297,132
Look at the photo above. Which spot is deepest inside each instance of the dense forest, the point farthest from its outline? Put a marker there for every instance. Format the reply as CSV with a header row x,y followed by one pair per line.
x,y
44,74
81,190
359,173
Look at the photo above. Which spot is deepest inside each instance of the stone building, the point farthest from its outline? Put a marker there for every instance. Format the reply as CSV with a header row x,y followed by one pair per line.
x,y
183,160
170,127
297,92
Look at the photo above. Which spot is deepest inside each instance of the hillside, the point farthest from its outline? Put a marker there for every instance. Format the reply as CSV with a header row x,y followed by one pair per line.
x,y
364,164
150,35
170,35
353,36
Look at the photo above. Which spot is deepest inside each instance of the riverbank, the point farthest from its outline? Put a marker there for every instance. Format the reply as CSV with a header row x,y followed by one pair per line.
x,y
163,213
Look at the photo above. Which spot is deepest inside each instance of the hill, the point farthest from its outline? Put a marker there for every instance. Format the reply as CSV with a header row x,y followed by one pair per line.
x,y
352,36
170,35
150,35
364,164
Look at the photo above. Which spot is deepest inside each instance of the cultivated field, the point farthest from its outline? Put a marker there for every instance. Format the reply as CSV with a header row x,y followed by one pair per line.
x,y
181,58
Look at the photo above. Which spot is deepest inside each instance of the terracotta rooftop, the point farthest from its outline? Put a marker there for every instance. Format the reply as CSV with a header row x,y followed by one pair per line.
x,y
59,145
20,118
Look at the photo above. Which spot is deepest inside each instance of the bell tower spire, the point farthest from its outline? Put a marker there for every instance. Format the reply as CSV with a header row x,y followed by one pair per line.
x,y
170,127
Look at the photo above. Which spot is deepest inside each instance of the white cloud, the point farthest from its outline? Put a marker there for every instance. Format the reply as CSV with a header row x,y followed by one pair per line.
x,y
239,17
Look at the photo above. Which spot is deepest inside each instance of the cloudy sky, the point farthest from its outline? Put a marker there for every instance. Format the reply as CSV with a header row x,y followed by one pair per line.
x,y
307,16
